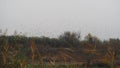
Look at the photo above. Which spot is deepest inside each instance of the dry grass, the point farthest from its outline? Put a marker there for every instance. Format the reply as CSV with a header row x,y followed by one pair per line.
x,y
52,57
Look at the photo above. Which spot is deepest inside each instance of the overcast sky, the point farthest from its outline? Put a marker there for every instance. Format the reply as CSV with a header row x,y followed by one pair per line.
x,y
53,17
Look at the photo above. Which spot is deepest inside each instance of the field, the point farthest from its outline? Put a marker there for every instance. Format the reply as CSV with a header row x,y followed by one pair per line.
x,y
67,51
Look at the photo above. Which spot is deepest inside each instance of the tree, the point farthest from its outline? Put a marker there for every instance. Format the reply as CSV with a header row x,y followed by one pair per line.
x,y
93,40
70,39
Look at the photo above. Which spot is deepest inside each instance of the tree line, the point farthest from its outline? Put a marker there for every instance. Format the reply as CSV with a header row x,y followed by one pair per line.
x,y
90,48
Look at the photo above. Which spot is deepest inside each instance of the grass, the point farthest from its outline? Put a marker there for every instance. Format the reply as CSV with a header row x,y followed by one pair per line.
x,y
8,60
22,63
67,66
55,66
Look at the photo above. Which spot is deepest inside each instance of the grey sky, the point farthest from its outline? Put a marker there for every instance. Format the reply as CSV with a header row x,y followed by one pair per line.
x,y
53,17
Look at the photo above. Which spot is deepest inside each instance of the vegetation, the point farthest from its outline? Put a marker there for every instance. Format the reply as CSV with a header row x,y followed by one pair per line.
x,y
66,51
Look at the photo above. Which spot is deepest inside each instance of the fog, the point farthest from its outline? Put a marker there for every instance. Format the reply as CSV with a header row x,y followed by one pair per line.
x,y
53,17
